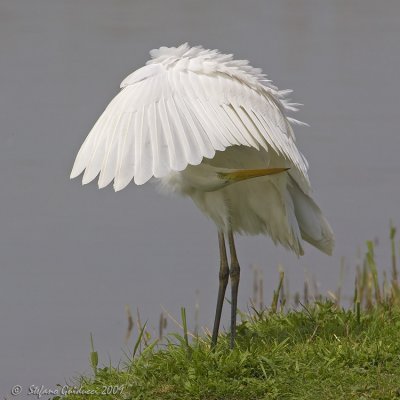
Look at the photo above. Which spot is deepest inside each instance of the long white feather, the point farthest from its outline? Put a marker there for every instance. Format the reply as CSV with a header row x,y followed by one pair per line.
x,y
185,104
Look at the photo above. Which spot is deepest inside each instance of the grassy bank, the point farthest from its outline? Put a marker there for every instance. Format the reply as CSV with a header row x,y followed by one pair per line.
x,y
321,351
318,353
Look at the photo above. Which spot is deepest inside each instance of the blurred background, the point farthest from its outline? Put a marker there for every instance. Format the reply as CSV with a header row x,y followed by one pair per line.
x,y
72,258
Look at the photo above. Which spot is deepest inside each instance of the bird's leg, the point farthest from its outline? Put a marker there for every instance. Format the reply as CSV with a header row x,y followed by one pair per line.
x,y
223,282
235,277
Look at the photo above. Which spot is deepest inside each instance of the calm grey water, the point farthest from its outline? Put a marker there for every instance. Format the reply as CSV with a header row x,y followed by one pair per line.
x,y
71,258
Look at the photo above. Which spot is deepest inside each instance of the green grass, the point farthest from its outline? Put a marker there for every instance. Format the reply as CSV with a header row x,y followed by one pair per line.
x,y
321,351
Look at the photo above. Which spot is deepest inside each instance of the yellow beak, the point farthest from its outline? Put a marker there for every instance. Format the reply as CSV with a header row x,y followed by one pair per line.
x,y
243,174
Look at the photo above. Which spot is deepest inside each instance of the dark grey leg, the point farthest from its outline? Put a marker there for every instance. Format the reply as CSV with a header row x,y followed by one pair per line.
x,y
223,281
235,277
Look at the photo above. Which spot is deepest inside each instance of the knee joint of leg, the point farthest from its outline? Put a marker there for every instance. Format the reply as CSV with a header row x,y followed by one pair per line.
x,y
235,272
224,274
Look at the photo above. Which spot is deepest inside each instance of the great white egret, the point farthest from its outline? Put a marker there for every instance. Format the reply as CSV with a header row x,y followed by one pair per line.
x,y
214,129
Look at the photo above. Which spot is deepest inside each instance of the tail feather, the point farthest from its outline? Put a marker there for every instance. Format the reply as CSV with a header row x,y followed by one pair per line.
x,y
314,227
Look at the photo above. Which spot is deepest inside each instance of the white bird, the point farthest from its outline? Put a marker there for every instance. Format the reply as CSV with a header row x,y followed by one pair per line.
x,y
214,129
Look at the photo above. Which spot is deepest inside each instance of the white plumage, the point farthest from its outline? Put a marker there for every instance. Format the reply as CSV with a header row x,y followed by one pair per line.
x,y
193,118
185,107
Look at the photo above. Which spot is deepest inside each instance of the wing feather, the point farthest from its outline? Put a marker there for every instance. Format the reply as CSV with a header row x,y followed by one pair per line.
x,y
229,110
109,163
191,149
175,148
172,115
86,151
208,91
204,144
253,134
126,164
98,150
234,133
193,97
143,150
